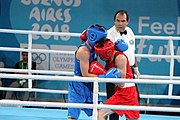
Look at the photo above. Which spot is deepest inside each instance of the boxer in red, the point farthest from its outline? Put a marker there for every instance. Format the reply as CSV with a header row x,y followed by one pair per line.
x,y
125,93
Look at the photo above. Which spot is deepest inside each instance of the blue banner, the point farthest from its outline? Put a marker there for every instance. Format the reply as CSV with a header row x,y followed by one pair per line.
x,y
76,15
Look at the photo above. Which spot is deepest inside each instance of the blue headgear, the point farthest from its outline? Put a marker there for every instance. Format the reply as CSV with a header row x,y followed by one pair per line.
x,y
95,33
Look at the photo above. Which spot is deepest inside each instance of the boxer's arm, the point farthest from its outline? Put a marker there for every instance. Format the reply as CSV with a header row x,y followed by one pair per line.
x,y
83,55
120,63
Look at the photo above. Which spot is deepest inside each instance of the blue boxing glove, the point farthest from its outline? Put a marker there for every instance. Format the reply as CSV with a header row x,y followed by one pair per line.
x,y
121,45
111,73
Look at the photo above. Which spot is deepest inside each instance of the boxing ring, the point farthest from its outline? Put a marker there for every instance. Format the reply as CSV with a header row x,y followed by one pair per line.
x,y
10,108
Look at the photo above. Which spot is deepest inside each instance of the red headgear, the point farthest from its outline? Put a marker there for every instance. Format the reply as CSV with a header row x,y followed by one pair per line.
x,y
106,51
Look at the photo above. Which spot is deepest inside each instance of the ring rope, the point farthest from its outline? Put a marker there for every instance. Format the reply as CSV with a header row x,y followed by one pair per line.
x,y
71,73
87,79
83,105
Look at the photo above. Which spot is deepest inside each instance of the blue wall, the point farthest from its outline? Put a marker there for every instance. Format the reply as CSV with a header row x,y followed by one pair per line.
x,y
77,15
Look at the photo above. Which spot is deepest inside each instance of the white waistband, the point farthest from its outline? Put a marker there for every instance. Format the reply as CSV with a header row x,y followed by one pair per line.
x,y
128,85
125,84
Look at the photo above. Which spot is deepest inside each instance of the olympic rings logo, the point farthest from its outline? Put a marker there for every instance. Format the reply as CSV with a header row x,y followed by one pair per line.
x,y
38,58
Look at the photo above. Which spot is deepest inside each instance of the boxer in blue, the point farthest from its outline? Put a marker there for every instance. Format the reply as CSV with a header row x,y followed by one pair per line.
x,y
82,92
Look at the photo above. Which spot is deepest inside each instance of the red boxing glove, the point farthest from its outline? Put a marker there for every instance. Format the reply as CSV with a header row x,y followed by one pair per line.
x,y
83,36
96,68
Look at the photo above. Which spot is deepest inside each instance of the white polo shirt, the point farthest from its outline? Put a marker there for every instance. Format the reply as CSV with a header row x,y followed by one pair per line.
x,y
113,35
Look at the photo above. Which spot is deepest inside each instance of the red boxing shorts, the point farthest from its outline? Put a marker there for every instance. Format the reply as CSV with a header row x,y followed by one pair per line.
x,y
125,96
